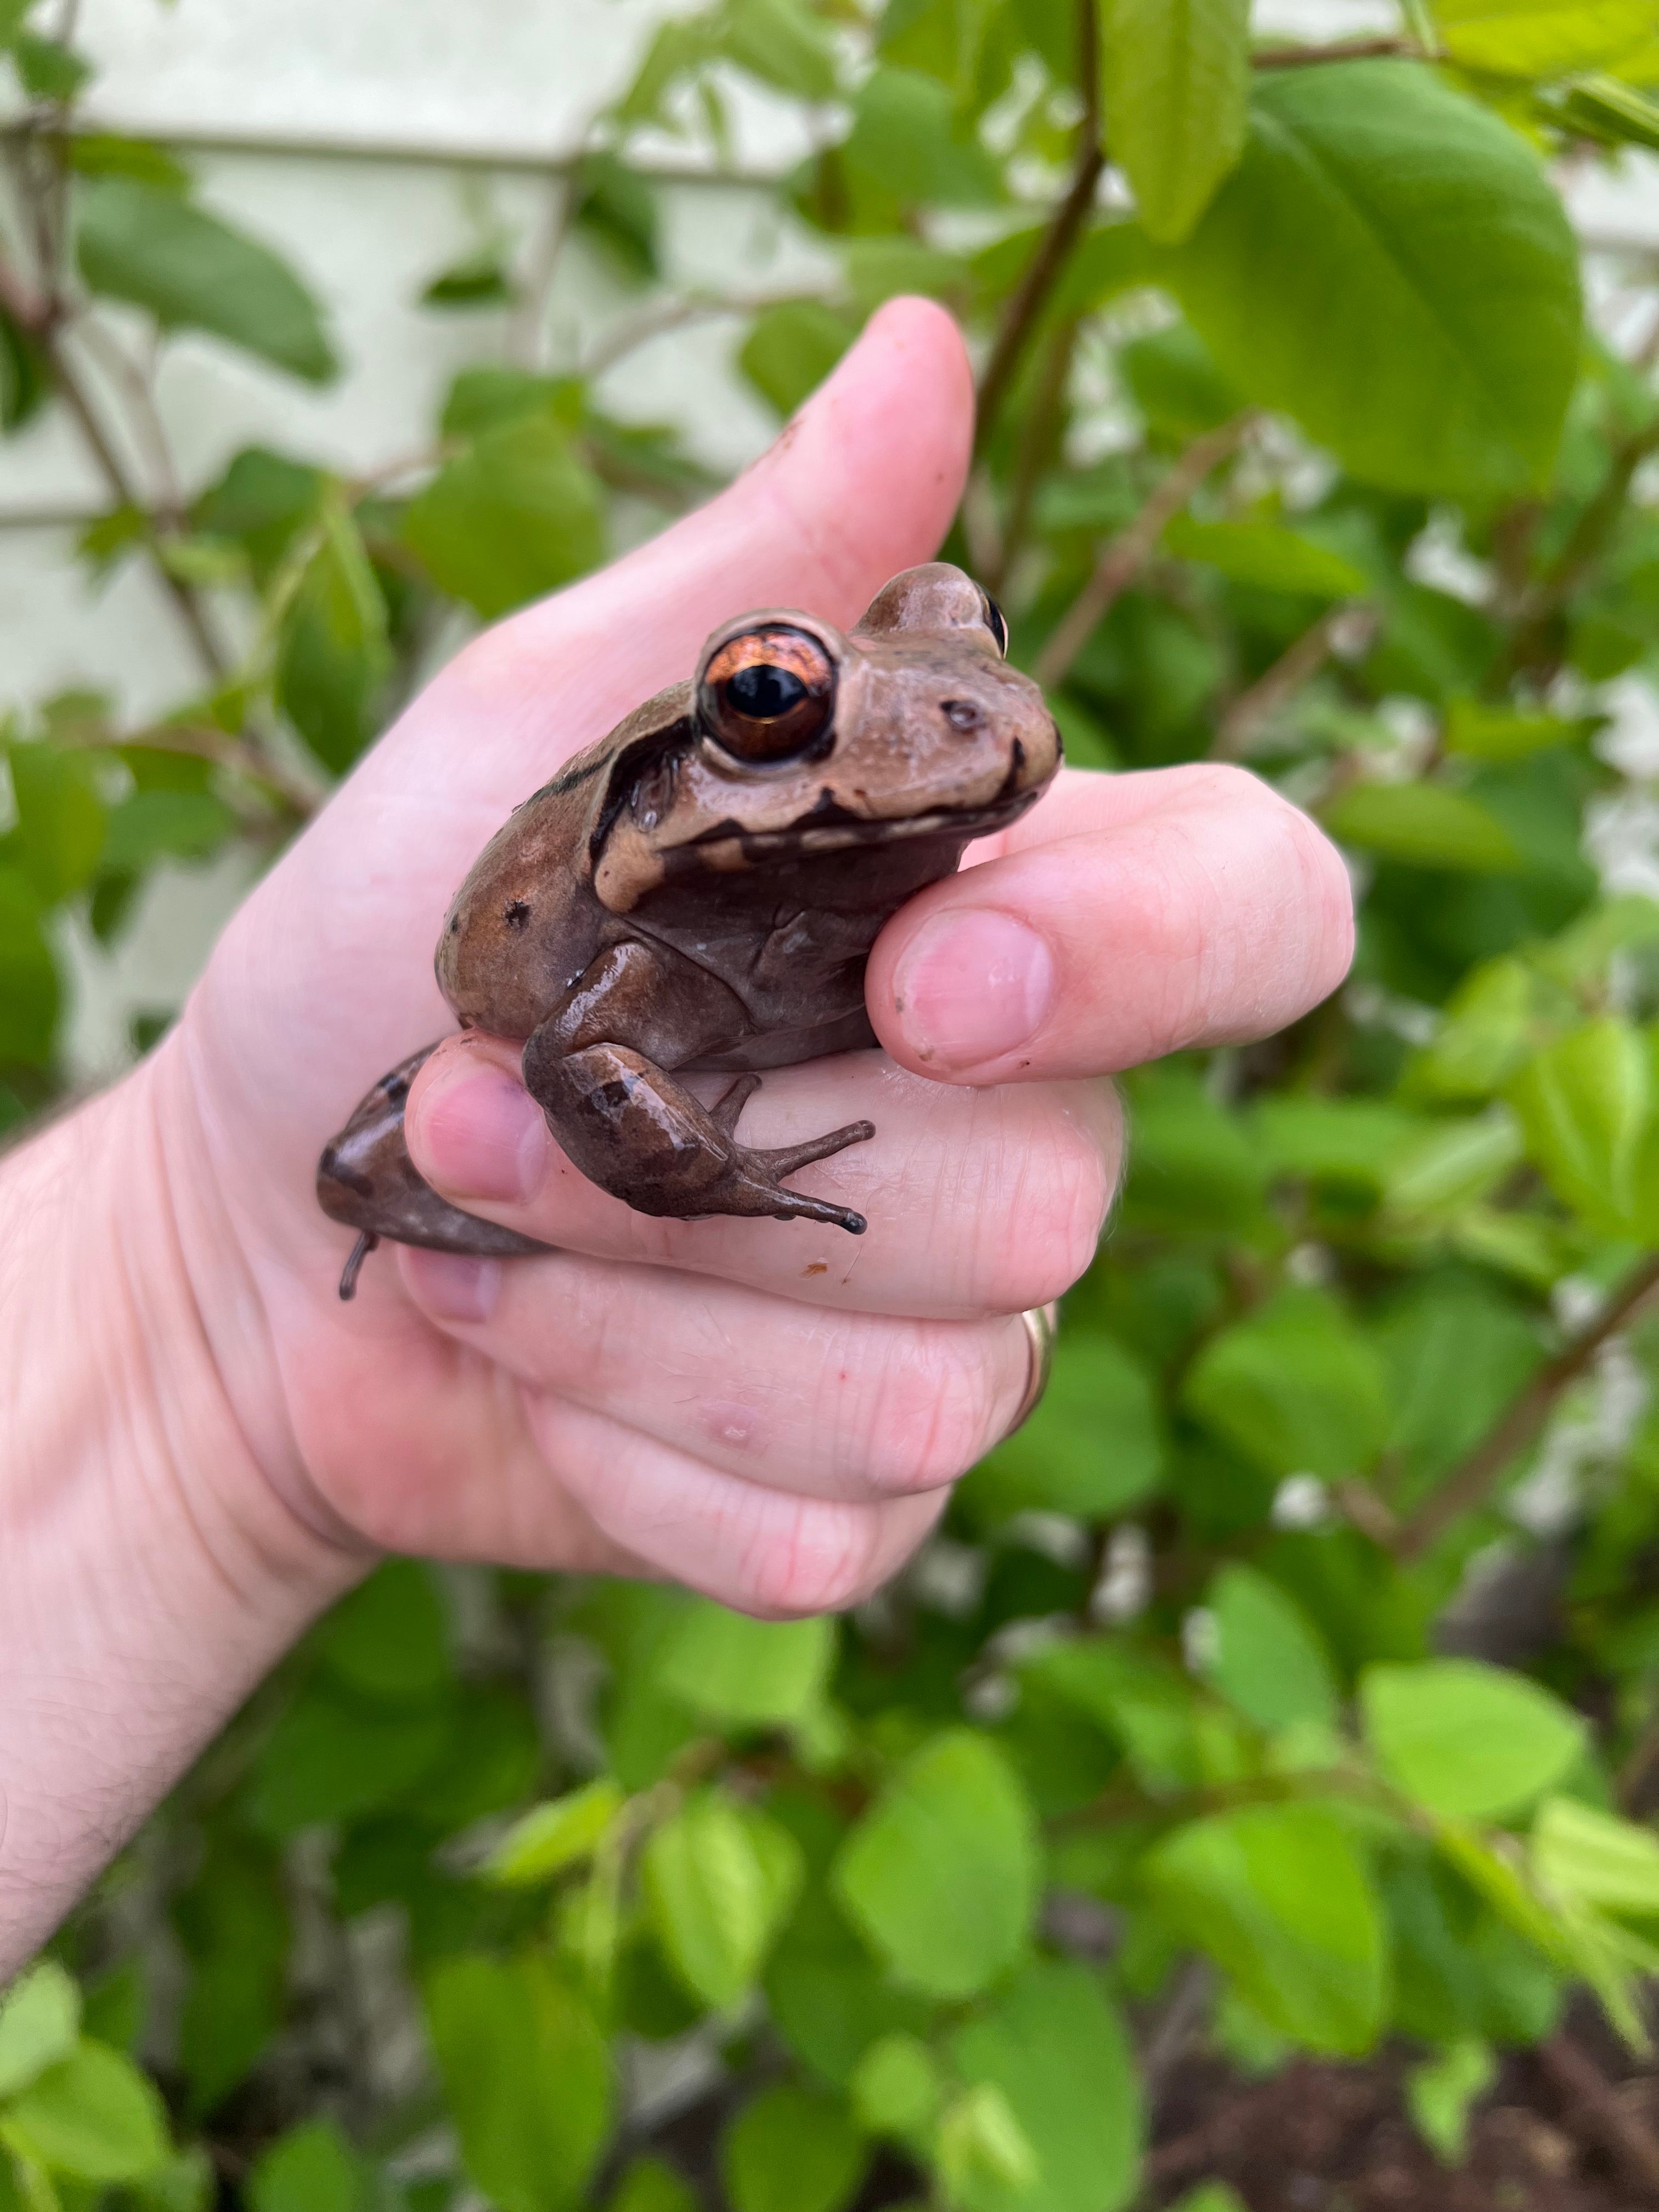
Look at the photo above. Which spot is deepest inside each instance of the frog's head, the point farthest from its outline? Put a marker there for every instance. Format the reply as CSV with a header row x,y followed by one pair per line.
x,y
797,740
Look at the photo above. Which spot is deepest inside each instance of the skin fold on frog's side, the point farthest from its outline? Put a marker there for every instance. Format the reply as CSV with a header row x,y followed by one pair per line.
x,y
700,890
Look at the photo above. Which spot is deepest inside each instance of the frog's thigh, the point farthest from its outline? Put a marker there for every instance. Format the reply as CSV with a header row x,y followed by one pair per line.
x,y
596,1066
646,996
630,1126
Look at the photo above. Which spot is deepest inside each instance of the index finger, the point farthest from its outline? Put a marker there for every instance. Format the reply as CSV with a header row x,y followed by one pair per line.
x,y
1128,916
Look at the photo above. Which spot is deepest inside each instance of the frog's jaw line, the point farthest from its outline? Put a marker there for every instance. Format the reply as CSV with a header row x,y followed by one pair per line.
x,y
724,849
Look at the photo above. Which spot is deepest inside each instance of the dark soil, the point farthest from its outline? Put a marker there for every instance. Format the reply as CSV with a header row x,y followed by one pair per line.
x,y
1548,2137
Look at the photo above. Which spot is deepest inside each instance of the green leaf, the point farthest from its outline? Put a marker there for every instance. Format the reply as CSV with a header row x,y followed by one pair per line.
x,y
147,244
527,2078
829,1999
1541,38
747,1672
1294,1388
783,44
1586,1104
896,2088
328,1756
1094,1445
107,154
1270,1660
1389,263
1141,1701
333,657
1280,1898
649,2185
940,1874
1054,2046
1467,1741
233,1922
312,2168
25,375
983,2152
488,395
478,280
1482,731
48,69
792,2150
549,1838
165,825
1267,555
1171,376
1579,1852
60,818
719,1881
93,2116
262,501
40,2024
1617,114
1438,2095
1174,75
29,989
791,348
1211,2196
517,514
616,208
904,137
390,1638
1425,825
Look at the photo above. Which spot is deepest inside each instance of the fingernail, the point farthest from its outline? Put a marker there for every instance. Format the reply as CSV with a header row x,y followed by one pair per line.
x,y
481,1136
451,1287
973,986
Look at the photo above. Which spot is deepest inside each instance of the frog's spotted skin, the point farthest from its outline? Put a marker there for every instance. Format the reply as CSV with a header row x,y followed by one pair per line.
x,y
701,888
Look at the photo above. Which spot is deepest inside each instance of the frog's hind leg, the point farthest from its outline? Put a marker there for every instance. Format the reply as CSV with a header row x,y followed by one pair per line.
x,y
367,1180
631,1129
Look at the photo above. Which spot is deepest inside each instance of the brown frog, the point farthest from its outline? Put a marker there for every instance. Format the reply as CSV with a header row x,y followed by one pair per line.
x,y
700,890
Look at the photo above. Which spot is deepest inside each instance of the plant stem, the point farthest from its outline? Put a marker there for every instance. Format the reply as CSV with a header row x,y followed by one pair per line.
x,y
1345,50
1471,1482
1036,448
1126,556
1020,317
1255,707
1602,2115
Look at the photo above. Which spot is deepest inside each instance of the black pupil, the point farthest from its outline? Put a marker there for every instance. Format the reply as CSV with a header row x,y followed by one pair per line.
x,y
761,692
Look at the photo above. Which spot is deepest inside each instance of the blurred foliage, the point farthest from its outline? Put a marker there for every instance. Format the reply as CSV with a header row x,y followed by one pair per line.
x,y
1296,1670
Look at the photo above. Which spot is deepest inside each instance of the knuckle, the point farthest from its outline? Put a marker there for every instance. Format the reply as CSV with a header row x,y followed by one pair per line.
x,y
818,1562
932,1412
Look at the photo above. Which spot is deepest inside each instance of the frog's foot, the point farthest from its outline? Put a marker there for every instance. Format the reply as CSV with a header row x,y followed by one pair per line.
x,y
630,1126
366,1180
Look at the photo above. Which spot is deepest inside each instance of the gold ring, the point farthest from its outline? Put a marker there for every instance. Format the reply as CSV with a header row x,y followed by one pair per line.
x,y
1040,1324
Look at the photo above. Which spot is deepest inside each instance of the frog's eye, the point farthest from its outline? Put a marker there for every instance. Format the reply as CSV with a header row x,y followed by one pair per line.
x,y
769,695
997,622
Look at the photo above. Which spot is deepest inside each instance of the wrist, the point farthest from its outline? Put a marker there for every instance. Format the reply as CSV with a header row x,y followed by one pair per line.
x,y
150,1571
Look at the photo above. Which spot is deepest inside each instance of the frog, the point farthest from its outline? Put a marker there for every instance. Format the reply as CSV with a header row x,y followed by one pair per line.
x,y
697,893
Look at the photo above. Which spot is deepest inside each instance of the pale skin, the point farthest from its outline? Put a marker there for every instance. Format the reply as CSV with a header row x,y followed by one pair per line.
x,y
205,1449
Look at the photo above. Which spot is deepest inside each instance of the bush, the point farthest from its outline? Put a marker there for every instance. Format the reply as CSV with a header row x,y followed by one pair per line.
x,y
1216,1702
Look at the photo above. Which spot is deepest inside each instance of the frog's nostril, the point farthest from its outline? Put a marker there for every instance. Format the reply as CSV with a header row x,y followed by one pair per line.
x,y
962,715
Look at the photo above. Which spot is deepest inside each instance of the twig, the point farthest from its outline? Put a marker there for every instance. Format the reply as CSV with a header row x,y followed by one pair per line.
x,y
1178,2020
1036,445
530,320
1123,559
1345,50
1590,2098
1020,317
1254,708
672,315
257,763
1371,1515
1468,1484
506,161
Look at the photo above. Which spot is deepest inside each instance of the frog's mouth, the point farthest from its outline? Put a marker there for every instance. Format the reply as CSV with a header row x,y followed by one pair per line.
x,y
829,827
